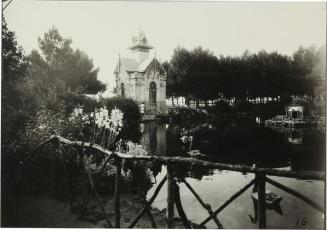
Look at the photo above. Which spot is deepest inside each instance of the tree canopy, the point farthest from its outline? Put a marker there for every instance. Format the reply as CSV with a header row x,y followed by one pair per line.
x,y
199,74
62,63
55,79
14,65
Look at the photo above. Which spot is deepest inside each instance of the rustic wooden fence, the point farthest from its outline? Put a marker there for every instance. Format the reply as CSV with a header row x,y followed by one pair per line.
x,y
173,195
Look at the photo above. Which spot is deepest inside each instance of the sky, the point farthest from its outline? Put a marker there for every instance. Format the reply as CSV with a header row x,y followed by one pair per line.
x,y
103,29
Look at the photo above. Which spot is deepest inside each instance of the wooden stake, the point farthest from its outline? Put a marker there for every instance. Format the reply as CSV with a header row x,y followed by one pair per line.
x,y
204,205
170,198
153,222
95,191
179,207
53,171
118,163
261,200
230,200
148,204
67,178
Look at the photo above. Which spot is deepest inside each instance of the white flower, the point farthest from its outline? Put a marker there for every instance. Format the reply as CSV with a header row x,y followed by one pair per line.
x,y
116,118
76,114
135,149
102,117
78,111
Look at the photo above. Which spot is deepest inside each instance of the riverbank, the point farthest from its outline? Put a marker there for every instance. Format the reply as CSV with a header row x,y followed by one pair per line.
x,y
45,211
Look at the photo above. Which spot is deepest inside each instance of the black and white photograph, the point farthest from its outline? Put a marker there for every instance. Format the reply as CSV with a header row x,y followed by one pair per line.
x,y
163,114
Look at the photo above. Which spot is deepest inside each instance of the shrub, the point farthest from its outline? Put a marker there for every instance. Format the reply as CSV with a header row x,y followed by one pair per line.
x,y
73,99
220,107
179,114
44,124
131,119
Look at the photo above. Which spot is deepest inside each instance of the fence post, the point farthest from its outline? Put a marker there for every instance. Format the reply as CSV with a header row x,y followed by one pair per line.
x,y
53,168
261,181
170,198
179,207
118,163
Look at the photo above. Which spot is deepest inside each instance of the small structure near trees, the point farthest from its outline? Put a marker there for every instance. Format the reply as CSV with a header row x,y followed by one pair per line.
x,y
294,112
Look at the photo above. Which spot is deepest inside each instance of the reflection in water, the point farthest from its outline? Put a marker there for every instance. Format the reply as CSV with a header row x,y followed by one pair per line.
x,y
270,204
247,143
217,188
294,136
154,138
258,120
240,142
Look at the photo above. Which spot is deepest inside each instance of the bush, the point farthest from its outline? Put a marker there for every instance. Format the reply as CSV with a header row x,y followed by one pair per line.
x,y
131,119
73,99
220,107
179,114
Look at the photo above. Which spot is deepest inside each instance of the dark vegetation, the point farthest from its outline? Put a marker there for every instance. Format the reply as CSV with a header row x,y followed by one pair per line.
x,y
249,76
132,117
39,92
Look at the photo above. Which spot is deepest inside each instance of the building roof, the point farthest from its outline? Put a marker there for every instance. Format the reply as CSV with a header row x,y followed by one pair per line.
x,y
128,64
132,65
298,108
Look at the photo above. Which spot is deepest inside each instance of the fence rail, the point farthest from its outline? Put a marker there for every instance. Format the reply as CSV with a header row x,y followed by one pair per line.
x,y
173,195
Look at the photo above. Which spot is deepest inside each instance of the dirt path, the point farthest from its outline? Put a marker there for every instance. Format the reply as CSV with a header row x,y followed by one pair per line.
x,y
44,211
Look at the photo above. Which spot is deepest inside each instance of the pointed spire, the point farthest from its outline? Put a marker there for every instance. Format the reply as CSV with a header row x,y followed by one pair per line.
x,y
140,42
119,62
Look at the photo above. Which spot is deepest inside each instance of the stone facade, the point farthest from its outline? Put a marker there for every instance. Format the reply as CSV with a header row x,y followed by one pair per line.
x,y
140,76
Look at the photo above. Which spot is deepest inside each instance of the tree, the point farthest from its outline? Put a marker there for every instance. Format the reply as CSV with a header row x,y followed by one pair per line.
x,y
318,73
310,66
56,74
14,65
12,116
189,68
200,75
73,67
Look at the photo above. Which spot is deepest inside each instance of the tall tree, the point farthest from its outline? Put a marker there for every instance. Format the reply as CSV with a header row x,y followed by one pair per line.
x,y
73,67
14,65
201,75
58,76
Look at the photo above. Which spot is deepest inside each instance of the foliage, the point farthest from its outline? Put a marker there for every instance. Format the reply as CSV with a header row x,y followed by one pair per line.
x,y
64,64
132,116
42,126
14,65
137,174
220,107
57,78
41,88
251,75
178,114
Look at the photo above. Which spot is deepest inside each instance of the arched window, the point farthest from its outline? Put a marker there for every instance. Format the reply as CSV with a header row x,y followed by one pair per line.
x,y
122,89
153,94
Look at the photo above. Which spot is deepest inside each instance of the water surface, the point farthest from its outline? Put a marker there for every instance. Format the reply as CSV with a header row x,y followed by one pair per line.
x,y
245,142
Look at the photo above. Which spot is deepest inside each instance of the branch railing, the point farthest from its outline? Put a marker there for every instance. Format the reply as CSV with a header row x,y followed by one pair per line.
x,y
173,195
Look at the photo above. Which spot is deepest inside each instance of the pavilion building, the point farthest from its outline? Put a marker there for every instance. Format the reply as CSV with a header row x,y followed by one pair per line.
x,y
140,76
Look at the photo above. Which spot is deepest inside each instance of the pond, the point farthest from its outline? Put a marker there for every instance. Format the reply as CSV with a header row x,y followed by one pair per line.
x,y
245,142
